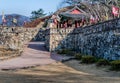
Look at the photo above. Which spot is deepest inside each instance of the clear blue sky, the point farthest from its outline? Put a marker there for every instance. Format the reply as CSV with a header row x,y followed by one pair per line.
x,y
24,7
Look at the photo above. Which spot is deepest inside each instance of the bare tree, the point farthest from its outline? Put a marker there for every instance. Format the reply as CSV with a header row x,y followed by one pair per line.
x,y
100,9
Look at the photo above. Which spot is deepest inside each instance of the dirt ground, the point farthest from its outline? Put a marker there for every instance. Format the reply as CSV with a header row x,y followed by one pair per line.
x,y
68,72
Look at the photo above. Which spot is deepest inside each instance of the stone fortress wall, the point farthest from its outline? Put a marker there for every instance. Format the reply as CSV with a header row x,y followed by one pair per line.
x,y
102,39
15,38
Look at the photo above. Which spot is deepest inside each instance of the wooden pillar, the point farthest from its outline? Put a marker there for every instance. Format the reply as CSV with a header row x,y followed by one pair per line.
x,y
75,24
78,24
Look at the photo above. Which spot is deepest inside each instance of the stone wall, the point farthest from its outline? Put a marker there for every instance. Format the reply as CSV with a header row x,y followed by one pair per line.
x,y
40,35
15,38
101,40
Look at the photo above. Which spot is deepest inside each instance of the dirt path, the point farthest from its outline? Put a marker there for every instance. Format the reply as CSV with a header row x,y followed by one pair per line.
x,y
34,54
55,73
50,70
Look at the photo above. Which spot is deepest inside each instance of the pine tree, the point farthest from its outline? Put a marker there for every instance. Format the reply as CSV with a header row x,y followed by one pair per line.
x,y
37,14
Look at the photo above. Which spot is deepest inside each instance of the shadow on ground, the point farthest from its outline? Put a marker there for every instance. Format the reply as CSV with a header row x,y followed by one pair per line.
x,y
55,72
37,46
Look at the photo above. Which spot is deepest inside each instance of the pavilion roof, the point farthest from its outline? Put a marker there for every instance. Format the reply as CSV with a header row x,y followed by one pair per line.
x,y
86,10
37,21
75,13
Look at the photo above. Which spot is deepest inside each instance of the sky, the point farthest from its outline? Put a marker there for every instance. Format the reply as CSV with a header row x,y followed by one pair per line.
x,y
25,7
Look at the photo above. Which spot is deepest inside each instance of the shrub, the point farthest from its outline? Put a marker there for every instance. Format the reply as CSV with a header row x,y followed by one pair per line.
x,y
88,59
59,52
103,62
70,53
64,51
115,65
78,56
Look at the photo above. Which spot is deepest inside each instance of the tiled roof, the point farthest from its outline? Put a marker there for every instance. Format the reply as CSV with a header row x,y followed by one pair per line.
x,y
35,22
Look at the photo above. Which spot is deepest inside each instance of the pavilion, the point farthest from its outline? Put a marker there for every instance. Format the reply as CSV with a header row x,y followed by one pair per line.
x,y
74,17
80,15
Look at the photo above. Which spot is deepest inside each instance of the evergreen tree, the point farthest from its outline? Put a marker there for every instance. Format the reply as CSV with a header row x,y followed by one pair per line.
x,y
37,14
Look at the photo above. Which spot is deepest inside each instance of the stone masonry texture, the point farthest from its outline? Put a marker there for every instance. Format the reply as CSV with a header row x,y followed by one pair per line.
x,y
16,38
100,40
